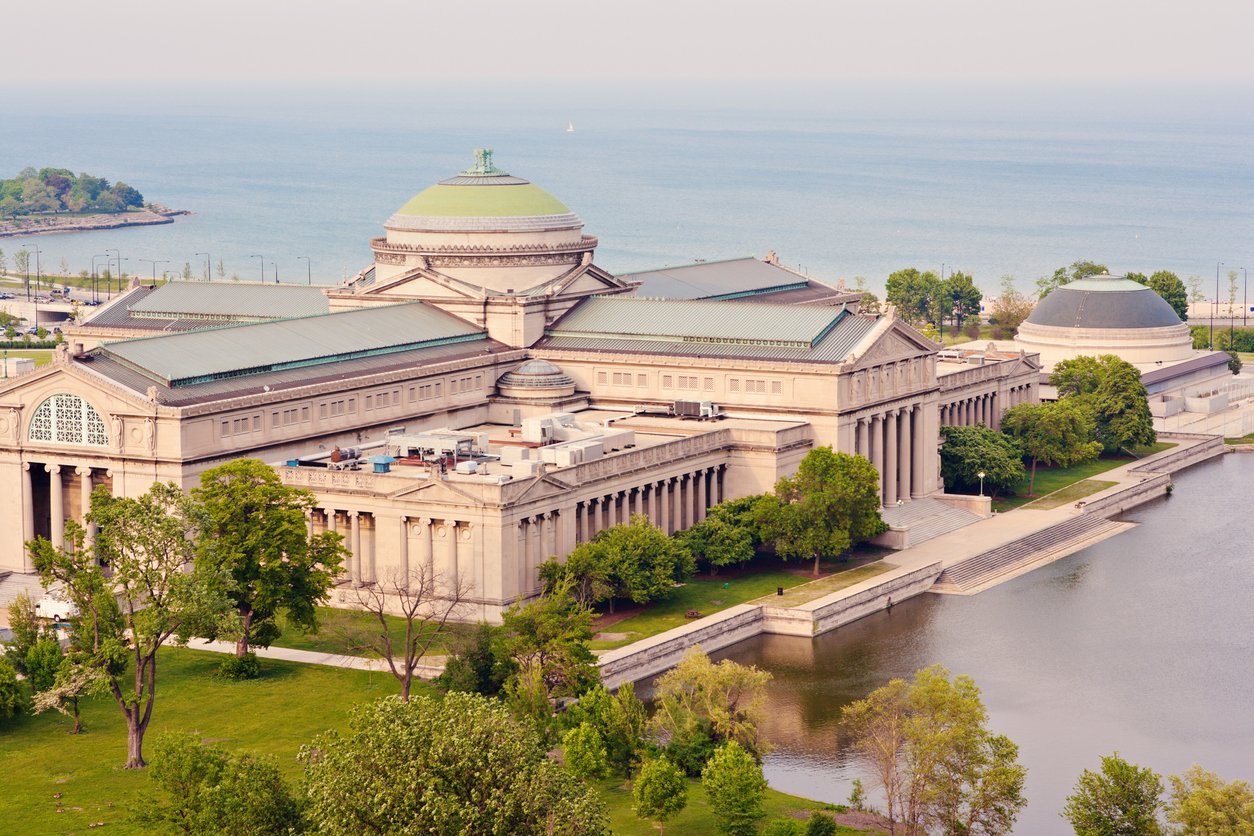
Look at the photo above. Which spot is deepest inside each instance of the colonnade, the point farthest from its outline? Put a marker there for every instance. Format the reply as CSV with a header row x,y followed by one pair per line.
x,y
60,478
893,441
672,504
983,409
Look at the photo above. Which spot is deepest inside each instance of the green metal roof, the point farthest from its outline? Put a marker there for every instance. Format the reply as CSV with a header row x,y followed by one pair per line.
x,y
230,300
672,320
509,200
219,353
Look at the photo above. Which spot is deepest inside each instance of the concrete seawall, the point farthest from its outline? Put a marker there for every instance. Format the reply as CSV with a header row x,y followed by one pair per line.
x,y
656,654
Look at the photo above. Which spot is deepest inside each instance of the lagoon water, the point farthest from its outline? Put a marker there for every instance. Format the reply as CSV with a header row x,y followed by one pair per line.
x,y
840,191
1143,643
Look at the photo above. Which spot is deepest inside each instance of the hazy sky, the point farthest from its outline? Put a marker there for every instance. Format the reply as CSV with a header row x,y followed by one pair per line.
x,y
559,42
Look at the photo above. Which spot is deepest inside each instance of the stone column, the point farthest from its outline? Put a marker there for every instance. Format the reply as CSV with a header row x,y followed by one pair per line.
x,y
903,455
402,552
665,504
332,519
56,495
890,460
538,554
84,505
917,425
451,529
703,496
354,528
877,452
864,438
370,556
28,516
719,476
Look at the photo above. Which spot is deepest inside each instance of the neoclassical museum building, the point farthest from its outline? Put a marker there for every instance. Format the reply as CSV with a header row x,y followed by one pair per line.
x,y
484,396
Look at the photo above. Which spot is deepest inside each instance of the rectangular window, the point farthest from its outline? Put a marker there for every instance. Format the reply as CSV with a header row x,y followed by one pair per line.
x,y
413,393
668,381
733,384
304,413
369,401
274,419
478,381
708,384
439,389
322,410
256,423
777,387
226,428
352,405
642,380
601,378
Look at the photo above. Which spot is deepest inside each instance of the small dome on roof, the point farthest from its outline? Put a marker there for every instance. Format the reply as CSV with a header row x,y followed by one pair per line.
x,y
536,379
1103,302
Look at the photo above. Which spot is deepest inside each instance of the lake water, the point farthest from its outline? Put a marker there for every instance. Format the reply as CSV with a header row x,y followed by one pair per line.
x,y
1143,643
840,190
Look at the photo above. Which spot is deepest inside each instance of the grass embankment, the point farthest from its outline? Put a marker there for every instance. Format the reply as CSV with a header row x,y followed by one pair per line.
x,y
697,817
1051,479
275,715
808,592
708,594
341,631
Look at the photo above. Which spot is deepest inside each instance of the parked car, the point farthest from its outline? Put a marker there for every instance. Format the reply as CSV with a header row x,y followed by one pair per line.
x,y
54,608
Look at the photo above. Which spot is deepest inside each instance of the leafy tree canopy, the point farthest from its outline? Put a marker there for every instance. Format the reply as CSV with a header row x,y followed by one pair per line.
x,y
550,636
1065,275
1121,798
1059,433
60,190
460,764
919,296
620,720
734,784
963,297
725,699
928,745
660,791
969,451
1202,803
255,535
1169,286
830,504
1111,389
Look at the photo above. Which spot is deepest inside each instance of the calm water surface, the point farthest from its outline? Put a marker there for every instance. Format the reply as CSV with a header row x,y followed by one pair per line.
x,y
1143,644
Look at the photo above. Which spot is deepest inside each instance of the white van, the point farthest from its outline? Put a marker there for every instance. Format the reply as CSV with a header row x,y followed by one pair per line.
x,y
54,608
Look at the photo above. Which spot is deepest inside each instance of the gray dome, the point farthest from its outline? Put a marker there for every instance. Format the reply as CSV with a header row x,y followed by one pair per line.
x,y
1103,302
536,374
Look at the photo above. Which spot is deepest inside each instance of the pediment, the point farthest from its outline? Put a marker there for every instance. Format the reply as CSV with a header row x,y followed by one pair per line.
x,y
897,343
425,284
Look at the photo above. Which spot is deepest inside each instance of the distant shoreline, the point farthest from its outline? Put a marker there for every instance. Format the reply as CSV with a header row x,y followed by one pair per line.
x,y
53,224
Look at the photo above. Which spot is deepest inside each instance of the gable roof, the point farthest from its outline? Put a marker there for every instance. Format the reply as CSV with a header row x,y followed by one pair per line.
x,y
738,278
226,301
755,330
184,359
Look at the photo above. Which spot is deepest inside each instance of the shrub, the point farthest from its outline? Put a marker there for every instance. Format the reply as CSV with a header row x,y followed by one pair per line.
x,y
660,791
236,667
734,784
585,751
821,824
11,699
783,827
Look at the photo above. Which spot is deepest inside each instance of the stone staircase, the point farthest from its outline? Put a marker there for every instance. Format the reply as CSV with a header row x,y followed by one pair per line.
x,y
983,568
926,518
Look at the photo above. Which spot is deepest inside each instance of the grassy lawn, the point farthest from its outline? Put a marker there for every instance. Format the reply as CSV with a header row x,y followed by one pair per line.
x,y
707,594
824,586
1245,439
287,707
336,629
41,356
1070,494
697,816
1050,479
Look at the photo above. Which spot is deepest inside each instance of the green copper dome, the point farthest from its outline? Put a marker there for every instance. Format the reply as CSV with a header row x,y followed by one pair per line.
x,y
483,191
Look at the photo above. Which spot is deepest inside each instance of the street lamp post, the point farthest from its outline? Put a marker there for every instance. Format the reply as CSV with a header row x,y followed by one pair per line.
x,y
981,475
308,269
263,266
37,268
276,271
117,256
95,293
26,272
208,269
1245,298
154,262
1215,312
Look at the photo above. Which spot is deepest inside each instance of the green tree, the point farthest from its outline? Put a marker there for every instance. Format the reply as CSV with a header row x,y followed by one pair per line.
x,y
660,791
919,296
821,824
187,270
1120,800
21,262
1234,362
4,263
718,543
584,751
967,452
734,784
927,742
550,635
75,679
1111,389
147,598
204,789
1066,275
461,764
480,664
1058,433
11,698
634,560
1167,285
620,720
25,629
830,504
962,297
1201,803
43,659
255,535
722,702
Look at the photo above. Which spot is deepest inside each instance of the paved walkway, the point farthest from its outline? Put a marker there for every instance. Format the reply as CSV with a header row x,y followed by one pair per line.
x,y
309,657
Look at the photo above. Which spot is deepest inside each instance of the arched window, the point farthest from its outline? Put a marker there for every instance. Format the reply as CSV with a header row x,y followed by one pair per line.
x,y
68,419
